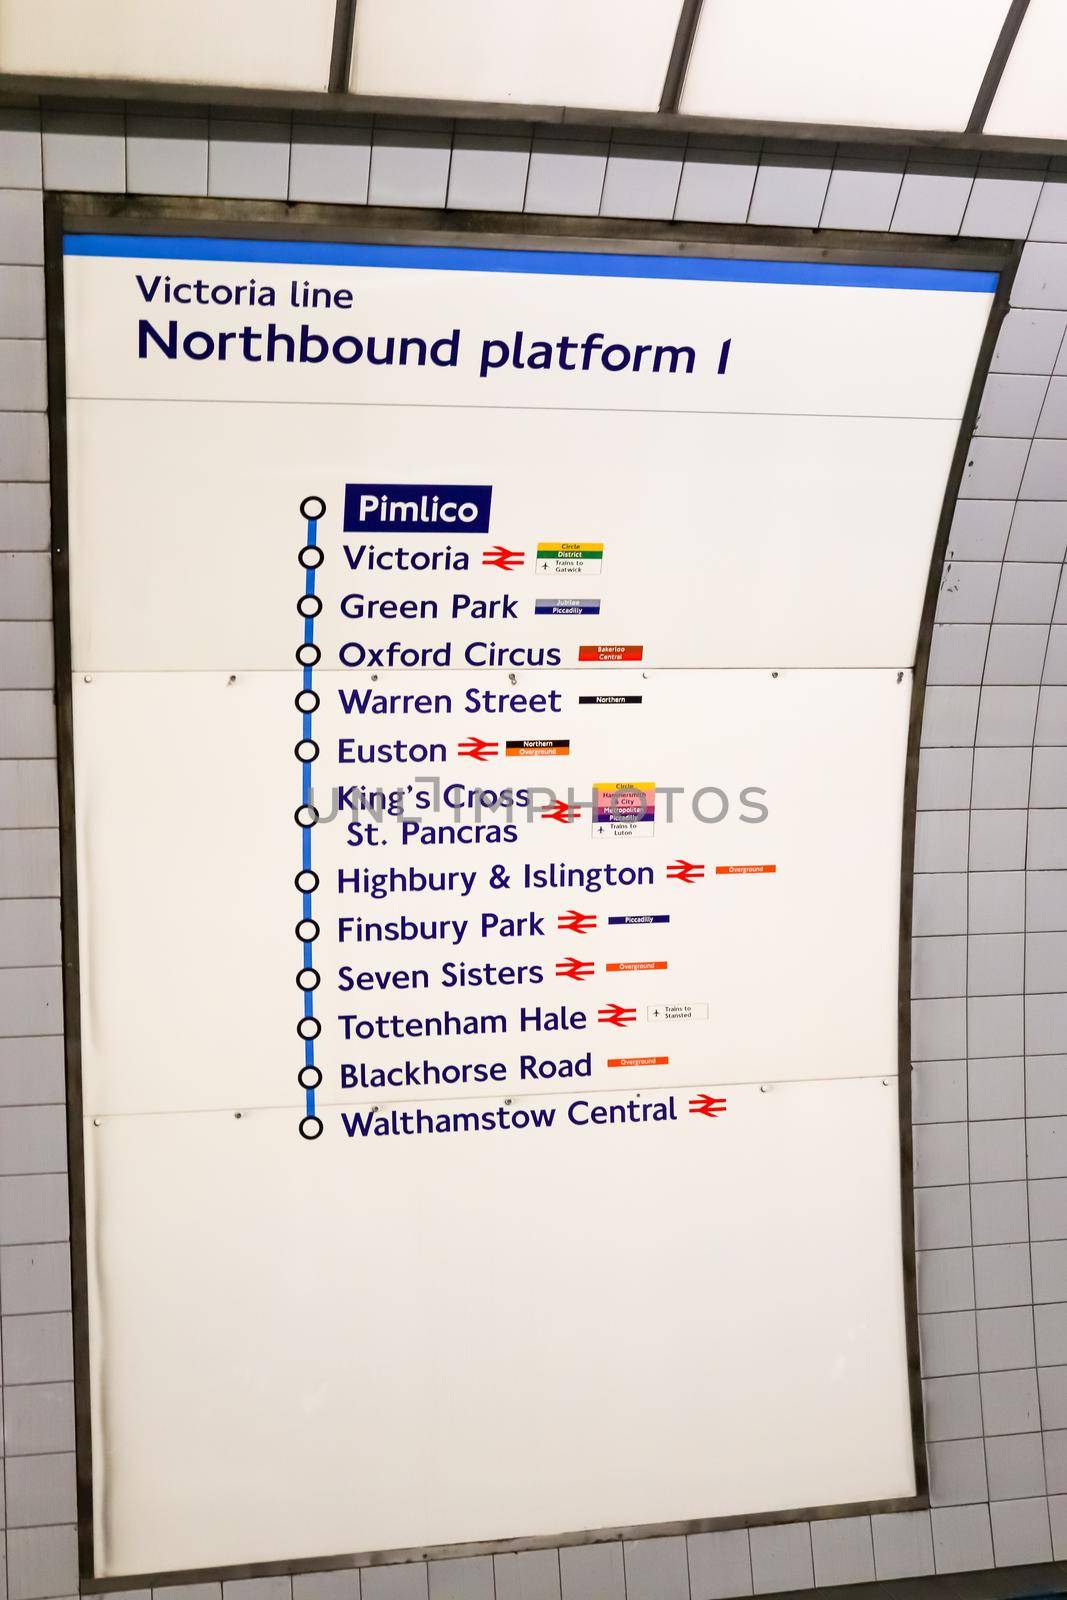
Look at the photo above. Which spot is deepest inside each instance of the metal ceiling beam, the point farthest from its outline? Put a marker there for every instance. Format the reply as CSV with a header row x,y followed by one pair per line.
x,y
344,22
60,93
680,51
997,62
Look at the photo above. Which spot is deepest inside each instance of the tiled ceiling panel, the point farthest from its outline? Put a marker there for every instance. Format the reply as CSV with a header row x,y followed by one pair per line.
x,y
610,54
262,44
913,64
1032,98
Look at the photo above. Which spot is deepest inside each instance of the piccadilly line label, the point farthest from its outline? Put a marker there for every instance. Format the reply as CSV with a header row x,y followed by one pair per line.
x,y
565,607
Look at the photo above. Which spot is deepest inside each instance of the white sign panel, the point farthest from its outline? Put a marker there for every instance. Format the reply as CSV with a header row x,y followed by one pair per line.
x,y
491,682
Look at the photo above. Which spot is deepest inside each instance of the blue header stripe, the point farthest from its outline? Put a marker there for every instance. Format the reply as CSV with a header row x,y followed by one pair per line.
x,y
557,263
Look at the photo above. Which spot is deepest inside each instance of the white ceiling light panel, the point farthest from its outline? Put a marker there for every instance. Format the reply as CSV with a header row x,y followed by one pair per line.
x,y
257,44
1031,101
914,64
611,54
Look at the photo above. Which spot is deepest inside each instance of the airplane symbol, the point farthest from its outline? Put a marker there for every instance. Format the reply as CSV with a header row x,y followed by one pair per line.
x,y
573,968
576,922
685,871
478,749
706,1105
506,560
618,1016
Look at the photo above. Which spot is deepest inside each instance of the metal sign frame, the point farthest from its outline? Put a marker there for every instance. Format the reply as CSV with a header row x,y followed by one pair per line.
x,y
74,213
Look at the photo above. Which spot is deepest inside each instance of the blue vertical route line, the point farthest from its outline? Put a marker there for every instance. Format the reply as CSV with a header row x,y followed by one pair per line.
x,y
305,799
310,1077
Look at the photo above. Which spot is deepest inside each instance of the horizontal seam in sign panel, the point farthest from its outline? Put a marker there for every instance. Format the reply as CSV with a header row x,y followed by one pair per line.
x,y
577,264
386,1096
766,666
492,405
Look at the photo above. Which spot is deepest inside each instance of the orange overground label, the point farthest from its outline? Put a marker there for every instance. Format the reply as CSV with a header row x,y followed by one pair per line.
x,y
731,872
637,966
638,1061
537,747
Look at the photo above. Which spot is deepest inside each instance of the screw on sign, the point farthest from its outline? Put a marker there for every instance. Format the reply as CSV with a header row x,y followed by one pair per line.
x,y
575,922
706,1105
478,749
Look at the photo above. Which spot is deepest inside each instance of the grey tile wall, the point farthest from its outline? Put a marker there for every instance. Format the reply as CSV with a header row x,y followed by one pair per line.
x,y
990,902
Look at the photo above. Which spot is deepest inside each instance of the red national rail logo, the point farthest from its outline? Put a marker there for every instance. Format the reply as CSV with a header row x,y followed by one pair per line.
x,y
685,871
575,922
618,1016
506,560
573,968
478,749
560,811
706,1105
